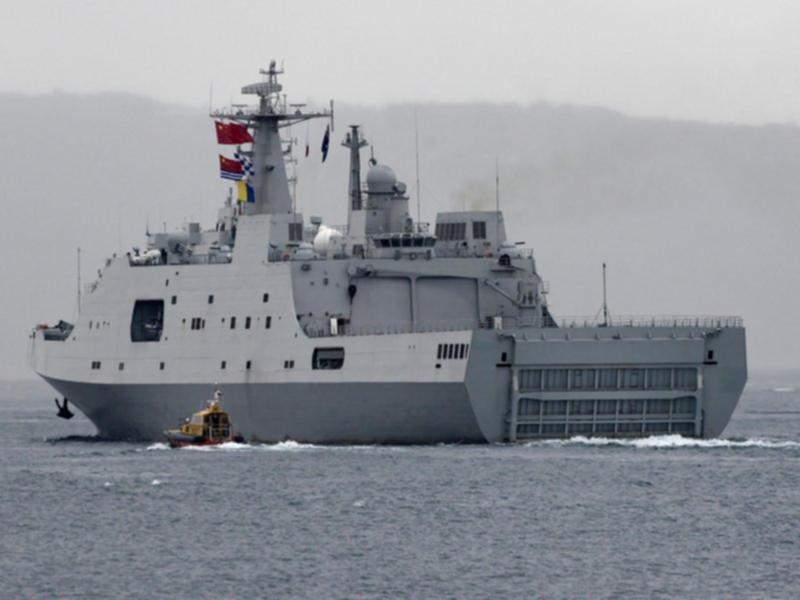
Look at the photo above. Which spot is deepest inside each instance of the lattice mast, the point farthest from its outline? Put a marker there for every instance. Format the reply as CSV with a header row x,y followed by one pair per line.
x,y
269,182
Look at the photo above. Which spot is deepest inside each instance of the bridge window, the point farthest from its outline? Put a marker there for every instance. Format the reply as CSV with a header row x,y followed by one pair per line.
x,y
233,322
211,298
265,298
147,321
295,232
268,322
247,322
479,230
327,358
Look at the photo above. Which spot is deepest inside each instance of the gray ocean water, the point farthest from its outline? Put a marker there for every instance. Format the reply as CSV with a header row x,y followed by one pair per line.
x,y
662,517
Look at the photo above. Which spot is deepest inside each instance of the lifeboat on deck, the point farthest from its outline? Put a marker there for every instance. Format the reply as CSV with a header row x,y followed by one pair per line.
x,y
208,427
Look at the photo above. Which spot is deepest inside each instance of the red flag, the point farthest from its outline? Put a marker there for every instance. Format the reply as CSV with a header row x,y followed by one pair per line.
x,y
232,133
230,168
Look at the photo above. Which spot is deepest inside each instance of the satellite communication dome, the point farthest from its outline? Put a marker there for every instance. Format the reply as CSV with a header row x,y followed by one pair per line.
x,y
327,240
381,179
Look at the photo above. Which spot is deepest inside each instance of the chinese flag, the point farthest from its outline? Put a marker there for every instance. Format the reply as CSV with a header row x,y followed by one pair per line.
x,y
232,133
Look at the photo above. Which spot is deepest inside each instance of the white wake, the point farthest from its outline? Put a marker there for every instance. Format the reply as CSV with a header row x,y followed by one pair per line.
x,y
670,441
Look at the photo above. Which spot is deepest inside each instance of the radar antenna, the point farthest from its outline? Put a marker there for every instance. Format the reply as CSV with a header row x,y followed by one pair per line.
x,y
604,308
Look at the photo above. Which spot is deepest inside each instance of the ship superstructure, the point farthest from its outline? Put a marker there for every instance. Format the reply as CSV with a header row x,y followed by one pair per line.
x,y
385,330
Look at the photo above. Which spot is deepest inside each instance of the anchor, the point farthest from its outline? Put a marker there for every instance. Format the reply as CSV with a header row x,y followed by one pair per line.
x,y
63,409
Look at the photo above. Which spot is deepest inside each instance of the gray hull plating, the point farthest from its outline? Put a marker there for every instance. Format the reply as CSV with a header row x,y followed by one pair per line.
x,y
363,413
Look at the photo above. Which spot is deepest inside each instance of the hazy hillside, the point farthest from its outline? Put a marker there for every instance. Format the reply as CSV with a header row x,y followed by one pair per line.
x,y
692,218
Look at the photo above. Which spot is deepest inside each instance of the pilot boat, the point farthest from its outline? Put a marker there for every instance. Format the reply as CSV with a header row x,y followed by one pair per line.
x,y
208,427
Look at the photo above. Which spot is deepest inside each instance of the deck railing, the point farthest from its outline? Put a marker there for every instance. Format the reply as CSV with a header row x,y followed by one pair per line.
x,y
643,321
716,321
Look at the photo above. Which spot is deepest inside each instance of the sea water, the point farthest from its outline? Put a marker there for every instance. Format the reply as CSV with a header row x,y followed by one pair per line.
x,y
656,517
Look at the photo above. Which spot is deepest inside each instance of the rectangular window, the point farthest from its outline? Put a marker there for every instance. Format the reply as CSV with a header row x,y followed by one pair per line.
x,y
555,379
147,320
683,406
233,322
606,407
658,407
223,364
683,428
265,298
555,407
631,407
295,232
161,366
659,379
530,379
439,351
608,379
268,322
248,364
211,298
247,322
632,379
327,358
174,299
686,379
121,366
581,407
479,230
528,407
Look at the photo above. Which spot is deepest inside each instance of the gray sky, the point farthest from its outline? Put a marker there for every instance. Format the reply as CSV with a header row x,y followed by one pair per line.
x,y
714,60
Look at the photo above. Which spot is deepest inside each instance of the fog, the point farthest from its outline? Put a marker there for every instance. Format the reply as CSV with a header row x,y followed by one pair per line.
x,y
716,60
692,218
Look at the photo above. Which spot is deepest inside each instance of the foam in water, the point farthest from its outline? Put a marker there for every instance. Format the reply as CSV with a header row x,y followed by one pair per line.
x,y
671,441
288,445
784,390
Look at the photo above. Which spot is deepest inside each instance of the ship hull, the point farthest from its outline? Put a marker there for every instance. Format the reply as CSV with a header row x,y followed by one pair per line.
x,y
358,413
487,399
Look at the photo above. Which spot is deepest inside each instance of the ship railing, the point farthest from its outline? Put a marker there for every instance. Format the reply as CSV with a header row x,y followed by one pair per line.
x,y
715,321
396,328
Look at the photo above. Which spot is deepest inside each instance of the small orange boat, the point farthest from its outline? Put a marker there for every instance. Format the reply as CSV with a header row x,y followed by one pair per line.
x,y
208,427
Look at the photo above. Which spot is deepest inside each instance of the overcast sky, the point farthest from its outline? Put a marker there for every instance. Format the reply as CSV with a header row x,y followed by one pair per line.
x,y
713,60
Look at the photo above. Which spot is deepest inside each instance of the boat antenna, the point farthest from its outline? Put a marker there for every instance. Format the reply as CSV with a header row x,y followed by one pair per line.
x,y
79,279
416,148
605,299
497,200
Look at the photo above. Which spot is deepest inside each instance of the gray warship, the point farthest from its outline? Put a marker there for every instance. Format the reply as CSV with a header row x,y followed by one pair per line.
x,y
384,331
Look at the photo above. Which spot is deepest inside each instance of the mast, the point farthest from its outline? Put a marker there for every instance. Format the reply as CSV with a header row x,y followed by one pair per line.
x,y
416,148
79,279
353,141
270,182
605,301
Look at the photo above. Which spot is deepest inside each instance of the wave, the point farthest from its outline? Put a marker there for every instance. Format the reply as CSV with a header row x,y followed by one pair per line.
x,y
288,445
671,441
783,390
